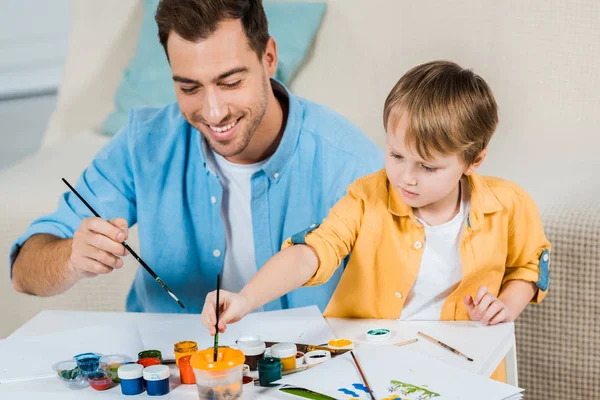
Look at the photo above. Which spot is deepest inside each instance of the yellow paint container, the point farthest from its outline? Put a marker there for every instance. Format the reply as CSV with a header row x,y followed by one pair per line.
x,y
286,352
186,348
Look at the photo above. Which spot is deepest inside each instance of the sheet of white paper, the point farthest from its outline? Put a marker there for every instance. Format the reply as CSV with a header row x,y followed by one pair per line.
x,y
300,325
397,371
485,344
32,357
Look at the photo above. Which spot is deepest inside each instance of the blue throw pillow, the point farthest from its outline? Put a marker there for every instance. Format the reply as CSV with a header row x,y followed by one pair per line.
x,y
147,80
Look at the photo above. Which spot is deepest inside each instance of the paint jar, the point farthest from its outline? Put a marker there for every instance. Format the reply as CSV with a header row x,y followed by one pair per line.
x,y
317,357
88,362
114,361
269,370
186,372
221,379
253,349
69,373
157,380
131,376
286,352
183,349
148,362
247,383
150,354
101,379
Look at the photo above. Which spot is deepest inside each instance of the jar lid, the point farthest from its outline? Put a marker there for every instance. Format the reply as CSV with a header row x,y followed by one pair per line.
x,y
130,371
115,359
283,350
226,358
157,372
252,347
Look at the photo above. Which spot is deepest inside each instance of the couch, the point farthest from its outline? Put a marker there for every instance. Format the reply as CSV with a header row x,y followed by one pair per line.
x,y
541,58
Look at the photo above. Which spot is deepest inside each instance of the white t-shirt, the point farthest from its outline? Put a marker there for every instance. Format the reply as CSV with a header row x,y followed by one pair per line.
x,y
441,266
240,262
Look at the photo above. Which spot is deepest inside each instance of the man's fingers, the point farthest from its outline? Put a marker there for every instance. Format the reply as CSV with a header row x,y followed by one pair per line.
x,y
98,225
95,267
480,293
110,260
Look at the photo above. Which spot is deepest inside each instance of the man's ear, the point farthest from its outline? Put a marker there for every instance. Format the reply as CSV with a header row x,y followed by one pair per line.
x,y
269,58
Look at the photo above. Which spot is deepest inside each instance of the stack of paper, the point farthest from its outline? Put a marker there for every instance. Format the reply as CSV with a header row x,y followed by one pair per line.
x,y
397,372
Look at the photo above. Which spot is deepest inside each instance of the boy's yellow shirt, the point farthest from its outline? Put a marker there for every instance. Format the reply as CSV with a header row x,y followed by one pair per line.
x,y
503,240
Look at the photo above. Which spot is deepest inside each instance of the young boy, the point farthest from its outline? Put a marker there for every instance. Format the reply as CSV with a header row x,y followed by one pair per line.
x,y
429,238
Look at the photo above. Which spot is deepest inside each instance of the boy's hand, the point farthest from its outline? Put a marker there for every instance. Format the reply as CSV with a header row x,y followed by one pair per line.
x,y
234,307
487,308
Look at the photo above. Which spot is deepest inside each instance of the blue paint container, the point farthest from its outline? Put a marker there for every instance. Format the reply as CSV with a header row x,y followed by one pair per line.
x,y
88,362
157,380
131,376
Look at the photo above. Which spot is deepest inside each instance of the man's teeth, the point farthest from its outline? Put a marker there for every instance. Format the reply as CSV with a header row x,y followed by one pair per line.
x,y
223,128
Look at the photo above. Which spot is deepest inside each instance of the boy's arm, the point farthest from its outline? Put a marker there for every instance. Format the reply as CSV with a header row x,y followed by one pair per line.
x,y
528,255
308,258
516,294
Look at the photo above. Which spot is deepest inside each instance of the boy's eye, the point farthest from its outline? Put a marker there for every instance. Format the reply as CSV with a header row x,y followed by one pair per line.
x,y
396,156
429,169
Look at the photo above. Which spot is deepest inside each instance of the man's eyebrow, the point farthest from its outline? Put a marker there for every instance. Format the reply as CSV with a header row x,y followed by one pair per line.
x,y
183,79
233,71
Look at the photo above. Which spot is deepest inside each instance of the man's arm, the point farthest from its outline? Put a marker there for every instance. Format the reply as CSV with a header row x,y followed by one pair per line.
x,y
48,265
42,266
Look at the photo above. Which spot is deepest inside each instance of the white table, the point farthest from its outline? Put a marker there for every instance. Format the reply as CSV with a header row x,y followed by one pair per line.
x,y
55,321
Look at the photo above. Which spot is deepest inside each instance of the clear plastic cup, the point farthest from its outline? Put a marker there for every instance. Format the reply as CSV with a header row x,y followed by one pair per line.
x,y
221,379
69,373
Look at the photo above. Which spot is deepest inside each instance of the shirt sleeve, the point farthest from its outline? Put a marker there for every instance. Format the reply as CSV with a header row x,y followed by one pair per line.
x,y
107,184
334,238
528,249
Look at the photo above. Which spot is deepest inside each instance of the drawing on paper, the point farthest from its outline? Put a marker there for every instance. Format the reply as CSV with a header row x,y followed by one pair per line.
x,y
398,390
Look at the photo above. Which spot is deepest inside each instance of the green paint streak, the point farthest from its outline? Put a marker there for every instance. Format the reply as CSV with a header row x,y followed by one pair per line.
x,y
409,388
307,394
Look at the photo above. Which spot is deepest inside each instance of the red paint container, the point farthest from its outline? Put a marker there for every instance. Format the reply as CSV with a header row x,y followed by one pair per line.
x,y
100,380
147,362
186,372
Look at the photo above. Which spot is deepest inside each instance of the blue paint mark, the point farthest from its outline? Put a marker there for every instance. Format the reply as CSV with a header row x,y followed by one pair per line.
x,y
360,386
348,392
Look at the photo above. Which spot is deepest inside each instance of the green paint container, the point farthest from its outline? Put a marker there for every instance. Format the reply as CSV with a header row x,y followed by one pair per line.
x,y
269,370
150,354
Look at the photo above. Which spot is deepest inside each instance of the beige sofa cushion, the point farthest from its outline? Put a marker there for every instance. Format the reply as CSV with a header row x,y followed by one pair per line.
x,y
102,41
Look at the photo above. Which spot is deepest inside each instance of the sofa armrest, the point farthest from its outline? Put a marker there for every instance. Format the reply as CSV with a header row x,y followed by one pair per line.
x,y
30,189
557,340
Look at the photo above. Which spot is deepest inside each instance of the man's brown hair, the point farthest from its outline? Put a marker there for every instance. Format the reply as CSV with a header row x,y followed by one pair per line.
x,y
198,19
450,110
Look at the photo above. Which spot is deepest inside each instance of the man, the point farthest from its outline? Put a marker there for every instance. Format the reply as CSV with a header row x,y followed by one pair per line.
x,y
216,181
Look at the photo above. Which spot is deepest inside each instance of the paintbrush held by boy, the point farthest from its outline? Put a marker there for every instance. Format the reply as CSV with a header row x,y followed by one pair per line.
x,y
429,238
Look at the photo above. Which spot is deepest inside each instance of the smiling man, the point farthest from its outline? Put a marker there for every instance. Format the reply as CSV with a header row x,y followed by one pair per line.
x,y
216,182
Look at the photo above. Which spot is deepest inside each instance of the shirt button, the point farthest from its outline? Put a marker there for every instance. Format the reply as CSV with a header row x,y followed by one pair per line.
x,y
546,257
399,295
213,199
216,253
276,175
418,245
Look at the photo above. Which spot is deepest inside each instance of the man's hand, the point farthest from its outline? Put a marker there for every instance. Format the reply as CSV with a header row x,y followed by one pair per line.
x,y
487,308
97,248
233,307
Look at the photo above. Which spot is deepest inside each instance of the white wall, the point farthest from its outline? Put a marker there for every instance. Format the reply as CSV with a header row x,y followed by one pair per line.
x,y
33,44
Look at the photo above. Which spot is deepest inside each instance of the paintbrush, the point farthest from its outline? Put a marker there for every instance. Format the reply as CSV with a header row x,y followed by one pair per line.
x,y
444,345
218,307
362,374
133,253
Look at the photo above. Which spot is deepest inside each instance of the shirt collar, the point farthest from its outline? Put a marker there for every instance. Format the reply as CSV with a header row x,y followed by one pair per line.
x,y
483,201
277,162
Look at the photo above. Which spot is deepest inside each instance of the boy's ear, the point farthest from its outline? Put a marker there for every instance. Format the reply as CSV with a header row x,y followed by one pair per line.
x,y
476,163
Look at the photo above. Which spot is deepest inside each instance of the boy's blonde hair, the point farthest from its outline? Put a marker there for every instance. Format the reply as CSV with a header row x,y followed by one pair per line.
x,y
450,110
